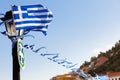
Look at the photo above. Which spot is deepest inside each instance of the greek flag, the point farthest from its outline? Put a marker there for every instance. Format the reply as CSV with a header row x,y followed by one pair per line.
x,y
32,17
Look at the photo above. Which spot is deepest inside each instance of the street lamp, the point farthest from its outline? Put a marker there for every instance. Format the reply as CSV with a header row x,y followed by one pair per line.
x,y
13,34
10,27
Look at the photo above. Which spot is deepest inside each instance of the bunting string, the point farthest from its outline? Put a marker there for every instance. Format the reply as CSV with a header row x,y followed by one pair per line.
x,y
55,58
63,62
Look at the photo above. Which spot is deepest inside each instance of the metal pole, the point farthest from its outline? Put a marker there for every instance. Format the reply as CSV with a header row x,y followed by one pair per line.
x,y
16,66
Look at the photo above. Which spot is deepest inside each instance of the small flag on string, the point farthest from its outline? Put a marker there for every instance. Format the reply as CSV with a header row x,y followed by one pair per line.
x,y
32,17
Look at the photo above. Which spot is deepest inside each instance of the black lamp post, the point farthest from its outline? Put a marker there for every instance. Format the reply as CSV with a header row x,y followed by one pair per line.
x,y
16,66
12,34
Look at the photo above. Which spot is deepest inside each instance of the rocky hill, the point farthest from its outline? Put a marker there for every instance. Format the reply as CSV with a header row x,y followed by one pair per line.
x,y
104,63
108,61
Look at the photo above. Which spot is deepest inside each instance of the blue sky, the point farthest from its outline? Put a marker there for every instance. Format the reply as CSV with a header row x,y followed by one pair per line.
x,y
80,29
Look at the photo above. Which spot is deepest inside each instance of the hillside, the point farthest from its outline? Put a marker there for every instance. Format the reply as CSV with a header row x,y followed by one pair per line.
x,y
108,61
104,63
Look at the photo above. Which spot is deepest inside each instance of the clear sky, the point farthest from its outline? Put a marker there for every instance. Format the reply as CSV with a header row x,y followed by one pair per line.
x,y
80,29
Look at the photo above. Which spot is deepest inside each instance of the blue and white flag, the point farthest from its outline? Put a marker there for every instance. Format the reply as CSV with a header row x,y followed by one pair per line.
x,y
32,17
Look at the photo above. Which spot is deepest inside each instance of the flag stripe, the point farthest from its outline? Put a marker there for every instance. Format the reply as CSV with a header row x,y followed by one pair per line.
x,y
31,28
43,13
31,19
31,24
37,11
32,6
26,22
16,12
41,8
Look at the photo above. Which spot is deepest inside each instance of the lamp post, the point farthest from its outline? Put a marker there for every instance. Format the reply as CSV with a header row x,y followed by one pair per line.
x,y
13,35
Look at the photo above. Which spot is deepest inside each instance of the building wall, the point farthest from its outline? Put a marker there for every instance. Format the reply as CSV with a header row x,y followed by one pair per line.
x,y
114,78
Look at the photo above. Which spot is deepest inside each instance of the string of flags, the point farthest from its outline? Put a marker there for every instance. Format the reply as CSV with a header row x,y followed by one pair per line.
x,y
63,62
55,58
